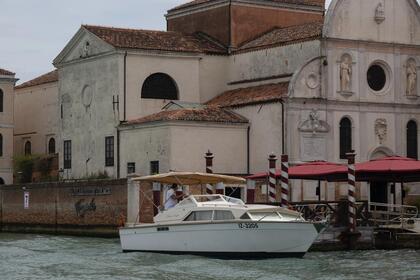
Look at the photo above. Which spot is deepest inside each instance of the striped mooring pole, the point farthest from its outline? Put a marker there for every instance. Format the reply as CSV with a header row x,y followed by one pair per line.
x,y
156,198
285,181
272,178
209,169
250,191
352,190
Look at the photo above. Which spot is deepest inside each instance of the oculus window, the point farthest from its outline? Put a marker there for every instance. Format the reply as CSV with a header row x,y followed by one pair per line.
x,y
376,77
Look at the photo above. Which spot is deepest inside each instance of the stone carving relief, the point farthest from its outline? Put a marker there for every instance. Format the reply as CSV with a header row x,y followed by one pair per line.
x,y
381,130
380,13
312,81
411,74
313,124
346,73
85,51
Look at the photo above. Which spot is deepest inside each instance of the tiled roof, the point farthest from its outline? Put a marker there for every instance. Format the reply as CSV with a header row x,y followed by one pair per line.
x,y
6,72
154,40
251,95
304,2
283,36
205,114
44,79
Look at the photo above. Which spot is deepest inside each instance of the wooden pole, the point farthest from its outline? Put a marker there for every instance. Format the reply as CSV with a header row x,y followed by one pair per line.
x,y
272,178
209,169
351,192
285,181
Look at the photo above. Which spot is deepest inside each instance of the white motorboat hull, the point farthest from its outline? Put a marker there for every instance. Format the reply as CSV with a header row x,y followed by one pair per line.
x,y
222,239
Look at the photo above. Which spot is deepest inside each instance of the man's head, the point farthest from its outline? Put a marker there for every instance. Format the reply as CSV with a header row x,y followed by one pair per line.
x,y
174,186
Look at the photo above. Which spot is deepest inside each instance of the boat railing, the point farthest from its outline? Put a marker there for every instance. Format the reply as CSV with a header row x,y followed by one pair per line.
x,y
388,214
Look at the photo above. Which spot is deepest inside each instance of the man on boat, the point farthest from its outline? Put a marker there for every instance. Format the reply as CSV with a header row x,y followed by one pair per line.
x,y
171,198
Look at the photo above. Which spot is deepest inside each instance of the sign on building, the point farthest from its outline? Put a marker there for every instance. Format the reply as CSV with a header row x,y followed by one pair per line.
x,y
26,200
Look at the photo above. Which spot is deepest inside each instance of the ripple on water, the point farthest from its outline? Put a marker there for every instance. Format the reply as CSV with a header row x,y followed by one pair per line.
x,y
58,257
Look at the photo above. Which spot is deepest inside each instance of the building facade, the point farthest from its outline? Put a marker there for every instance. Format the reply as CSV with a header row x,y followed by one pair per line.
x,y
7,83
243,78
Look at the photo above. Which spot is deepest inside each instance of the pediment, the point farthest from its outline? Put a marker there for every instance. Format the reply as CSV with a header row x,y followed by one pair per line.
x,y
83,45
388,21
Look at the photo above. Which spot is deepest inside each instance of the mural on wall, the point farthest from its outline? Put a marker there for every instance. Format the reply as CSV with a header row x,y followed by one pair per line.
x,y
82,208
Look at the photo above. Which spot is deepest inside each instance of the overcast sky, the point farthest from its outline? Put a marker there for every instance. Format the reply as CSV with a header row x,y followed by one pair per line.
x,y
33,32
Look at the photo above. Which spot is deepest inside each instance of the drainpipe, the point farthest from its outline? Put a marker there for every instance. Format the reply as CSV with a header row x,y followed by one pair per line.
x,y
125,86
118,153
283,129
248,148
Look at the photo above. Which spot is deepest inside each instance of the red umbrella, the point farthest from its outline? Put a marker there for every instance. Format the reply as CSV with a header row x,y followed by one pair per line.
x,y
397,169
316,170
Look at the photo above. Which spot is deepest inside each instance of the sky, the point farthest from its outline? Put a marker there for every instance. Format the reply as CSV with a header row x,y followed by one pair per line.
x,y
33,32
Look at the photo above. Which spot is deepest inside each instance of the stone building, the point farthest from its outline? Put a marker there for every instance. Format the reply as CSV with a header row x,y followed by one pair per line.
x,y
36,115
243,78
7,83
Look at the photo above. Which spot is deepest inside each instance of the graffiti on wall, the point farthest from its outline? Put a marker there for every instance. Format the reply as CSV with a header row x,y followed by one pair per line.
x,y
82,208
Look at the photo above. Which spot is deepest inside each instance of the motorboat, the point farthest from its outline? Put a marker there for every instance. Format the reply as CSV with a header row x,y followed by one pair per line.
x,y
221,226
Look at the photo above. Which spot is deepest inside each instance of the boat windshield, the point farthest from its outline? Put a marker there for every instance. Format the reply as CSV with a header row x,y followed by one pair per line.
x,y
265,216
218,199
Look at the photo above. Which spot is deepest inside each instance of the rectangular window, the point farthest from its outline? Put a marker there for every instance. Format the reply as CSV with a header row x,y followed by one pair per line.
x,y
67,154
154,167
109,151
131,167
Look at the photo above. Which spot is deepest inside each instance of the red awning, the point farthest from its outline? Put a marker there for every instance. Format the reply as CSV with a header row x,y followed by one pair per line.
x,y
316,170
399,169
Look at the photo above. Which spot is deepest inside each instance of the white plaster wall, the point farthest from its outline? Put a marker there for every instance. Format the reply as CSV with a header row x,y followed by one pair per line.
x,y
182,146
228,144
271,62
142,146
86,123
6,129
265,133
184,71
214,72
37,114
354,20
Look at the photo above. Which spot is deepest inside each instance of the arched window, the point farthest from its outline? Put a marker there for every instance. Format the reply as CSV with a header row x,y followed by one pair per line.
x,y
345,137
28,148
412,146
51,146
1,181
1,145
159,86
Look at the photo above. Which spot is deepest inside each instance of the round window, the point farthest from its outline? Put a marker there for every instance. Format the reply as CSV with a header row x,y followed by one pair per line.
x,y
376,77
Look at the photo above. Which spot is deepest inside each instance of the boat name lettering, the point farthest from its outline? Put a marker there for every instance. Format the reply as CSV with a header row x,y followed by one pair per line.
x,y
90,191
162,229
247,225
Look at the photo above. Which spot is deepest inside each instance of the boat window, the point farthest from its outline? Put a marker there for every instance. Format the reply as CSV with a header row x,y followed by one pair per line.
x,y
223,215
265,216
186,202
245,216
199,216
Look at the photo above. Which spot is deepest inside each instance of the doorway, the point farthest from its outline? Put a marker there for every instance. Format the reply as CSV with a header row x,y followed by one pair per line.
x,y
379,192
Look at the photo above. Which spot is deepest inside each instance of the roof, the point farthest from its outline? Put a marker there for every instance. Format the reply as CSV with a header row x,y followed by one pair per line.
x,y
206,114
6,72
199,2
154,40
50,77
283,36
251,95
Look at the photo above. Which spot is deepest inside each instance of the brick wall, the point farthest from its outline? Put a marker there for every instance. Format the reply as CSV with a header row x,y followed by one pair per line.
x,y
88,207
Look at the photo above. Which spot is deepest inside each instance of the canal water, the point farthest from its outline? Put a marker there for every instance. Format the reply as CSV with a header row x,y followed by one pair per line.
x,y
58,257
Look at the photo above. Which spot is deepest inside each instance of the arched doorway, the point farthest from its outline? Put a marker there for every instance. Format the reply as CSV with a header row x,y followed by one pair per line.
x,y
379,191
1,181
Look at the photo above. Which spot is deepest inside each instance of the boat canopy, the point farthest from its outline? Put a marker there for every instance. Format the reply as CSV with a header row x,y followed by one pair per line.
x,y
191,178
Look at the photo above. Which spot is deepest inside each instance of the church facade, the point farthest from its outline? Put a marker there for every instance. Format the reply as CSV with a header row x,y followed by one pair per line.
x,y
243,78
